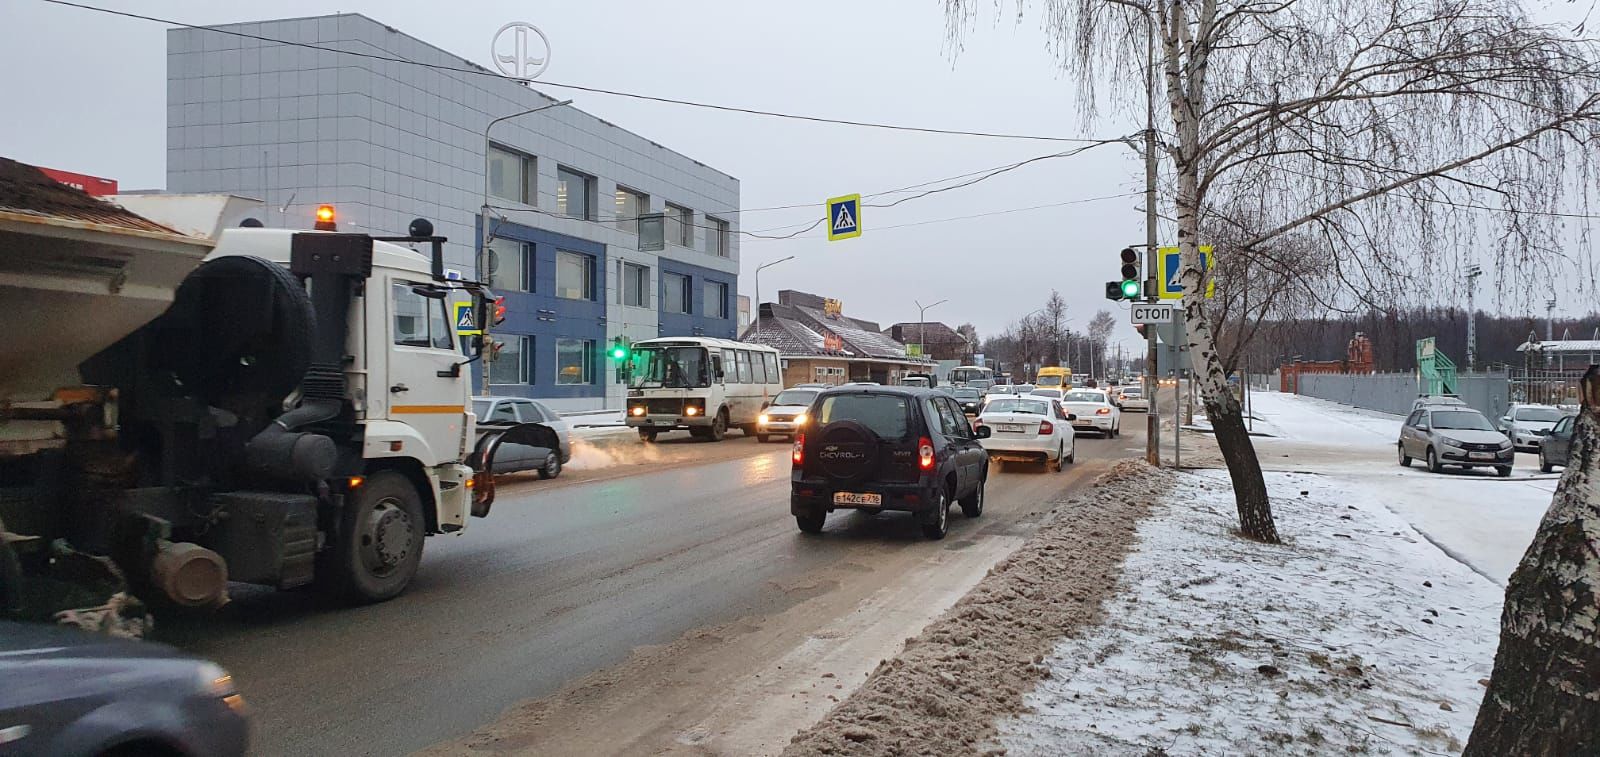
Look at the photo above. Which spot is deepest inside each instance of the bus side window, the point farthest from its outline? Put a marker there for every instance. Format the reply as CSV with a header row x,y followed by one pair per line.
x,y
758,369
774,375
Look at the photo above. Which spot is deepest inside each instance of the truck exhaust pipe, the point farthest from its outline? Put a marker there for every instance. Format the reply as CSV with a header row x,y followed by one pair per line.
x,y
190,574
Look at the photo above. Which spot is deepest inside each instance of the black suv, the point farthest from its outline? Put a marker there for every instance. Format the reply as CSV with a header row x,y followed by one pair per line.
x,y
887,448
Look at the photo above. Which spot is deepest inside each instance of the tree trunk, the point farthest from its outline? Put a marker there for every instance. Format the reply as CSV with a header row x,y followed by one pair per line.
x,y
1186,96
1544,694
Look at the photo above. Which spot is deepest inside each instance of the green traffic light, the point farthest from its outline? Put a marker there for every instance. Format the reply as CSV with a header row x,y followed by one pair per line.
x,y
1130,289
619,353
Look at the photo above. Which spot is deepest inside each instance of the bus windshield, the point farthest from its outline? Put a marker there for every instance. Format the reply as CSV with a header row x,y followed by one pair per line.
x,y
670,368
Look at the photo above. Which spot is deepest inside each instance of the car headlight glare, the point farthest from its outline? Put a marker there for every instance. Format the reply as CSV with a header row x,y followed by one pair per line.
x,y
801,418
762,419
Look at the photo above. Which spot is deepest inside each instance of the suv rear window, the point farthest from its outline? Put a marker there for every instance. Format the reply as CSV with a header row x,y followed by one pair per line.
x,y
885,414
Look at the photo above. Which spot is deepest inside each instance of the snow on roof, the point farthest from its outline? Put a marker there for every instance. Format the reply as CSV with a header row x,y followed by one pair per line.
x,y
1561,345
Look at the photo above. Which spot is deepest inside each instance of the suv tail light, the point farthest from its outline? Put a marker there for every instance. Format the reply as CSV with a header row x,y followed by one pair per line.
x,y
925,453
799,453
1046,428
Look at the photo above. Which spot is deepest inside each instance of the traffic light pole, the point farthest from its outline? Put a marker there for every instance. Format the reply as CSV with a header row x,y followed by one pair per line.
x,y
1152,443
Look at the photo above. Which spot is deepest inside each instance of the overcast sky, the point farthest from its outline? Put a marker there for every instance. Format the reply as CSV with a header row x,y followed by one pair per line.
x,y
86,93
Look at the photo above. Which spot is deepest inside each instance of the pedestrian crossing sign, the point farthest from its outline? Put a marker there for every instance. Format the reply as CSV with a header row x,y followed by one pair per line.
x,y
466,320
1170,285
844,217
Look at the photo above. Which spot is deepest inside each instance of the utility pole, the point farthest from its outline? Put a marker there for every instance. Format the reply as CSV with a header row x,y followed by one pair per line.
x,y
1152,442
1473,272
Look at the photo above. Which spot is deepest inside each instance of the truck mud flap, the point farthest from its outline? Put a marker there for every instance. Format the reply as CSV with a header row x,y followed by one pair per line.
x,y
489,441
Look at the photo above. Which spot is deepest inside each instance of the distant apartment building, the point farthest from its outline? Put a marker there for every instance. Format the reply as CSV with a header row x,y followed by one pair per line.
x,y
288,114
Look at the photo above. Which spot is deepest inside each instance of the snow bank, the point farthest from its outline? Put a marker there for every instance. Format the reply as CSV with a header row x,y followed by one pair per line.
x,y
1355,635
942,694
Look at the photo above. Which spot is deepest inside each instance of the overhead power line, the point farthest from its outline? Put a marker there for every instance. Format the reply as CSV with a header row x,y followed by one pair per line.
x,y
479,71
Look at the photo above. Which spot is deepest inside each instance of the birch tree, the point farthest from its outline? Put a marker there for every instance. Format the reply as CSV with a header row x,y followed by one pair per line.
x,y
1405,135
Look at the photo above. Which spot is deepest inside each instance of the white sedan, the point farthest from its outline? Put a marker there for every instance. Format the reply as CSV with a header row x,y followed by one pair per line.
x,y
1028,429
1132,398
1094,412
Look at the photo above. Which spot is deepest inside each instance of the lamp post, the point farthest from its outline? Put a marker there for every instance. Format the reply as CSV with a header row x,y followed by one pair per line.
x,y
1473,272
483,234
758,288
922,330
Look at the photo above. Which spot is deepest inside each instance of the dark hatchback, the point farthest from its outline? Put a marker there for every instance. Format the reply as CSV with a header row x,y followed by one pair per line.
x,y
70,692
880,448
970,400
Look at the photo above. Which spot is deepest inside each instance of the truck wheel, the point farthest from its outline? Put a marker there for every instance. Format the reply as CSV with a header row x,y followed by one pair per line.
x,y
380,539
551,467
647,436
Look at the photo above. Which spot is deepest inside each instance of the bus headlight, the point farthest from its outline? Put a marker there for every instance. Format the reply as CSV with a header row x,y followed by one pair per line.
x,y
637,410
691,410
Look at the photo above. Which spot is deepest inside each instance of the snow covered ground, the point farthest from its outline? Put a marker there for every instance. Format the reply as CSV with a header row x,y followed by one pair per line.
x,y
1484,521
1355,635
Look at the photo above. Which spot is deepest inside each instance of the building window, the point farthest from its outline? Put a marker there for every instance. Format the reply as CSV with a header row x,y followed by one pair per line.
x,y
680,225
421,321
574,194
716,304
512,175
630,205
574,275
717,237
675,293
635,285
510,265
514,365
574,361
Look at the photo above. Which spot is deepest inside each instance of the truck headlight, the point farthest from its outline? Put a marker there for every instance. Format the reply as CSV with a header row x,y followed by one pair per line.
x,y
762,419
691,410
799,419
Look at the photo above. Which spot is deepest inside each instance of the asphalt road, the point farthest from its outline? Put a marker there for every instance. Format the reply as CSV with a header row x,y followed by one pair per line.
x,y
633,546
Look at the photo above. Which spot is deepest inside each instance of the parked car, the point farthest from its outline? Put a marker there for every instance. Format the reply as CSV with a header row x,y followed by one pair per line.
x,y
71,692
887,448
1029,428
1526,425
786,413
971,400
1450,435
1427,400
1556,448
1094,412
1132,398
514,458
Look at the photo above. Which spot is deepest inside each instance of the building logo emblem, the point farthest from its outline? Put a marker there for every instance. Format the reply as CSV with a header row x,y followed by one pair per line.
x,y
526,50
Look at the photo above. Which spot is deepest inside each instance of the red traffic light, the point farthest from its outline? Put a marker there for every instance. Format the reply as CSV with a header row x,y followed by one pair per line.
x,y
499,310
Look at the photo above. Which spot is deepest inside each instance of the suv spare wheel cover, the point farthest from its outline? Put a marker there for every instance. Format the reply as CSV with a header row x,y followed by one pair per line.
x,y
847,450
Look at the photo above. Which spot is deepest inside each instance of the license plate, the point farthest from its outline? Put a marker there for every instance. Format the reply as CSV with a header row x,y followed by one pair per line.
x,y
852,498
1481,455
1008,426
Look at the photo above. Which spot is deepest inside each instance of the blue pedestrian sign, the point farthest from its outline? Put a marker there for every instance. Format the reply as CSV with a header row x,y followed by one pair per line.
x,y
466,320
844,217
1170,285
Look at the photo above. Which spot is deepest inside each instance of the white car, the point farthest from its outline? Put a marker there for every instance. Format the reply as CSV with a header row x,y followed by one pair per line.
x,y
1027,428
1527,425
1055,394
786,413
1094,412
1132,398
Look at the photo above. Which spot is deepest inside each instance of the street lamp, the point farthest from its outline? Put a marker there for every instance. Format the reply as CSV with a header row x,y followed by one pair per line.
x,y
758,288
483,247
922,329
1473,272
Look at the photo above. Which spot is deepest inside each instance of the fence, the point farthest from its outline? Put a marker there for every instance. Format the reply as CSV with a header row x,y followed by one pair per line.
x,y
1551,386
1489,393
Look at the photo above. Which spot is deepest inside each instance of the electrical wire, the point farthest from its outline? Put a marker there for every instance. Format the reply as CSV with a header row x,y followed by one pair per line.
x,y
480,71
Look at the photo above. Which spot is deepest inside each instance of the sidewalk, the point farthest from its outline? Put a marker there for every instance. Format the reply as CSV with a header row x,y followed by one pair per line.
x,y
1483,521
1354,636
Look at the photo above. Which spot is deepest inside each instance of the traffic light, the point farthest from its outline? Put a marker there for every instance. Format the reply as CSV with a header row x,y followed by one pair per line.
x,y
499,311
619,349
1130,287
